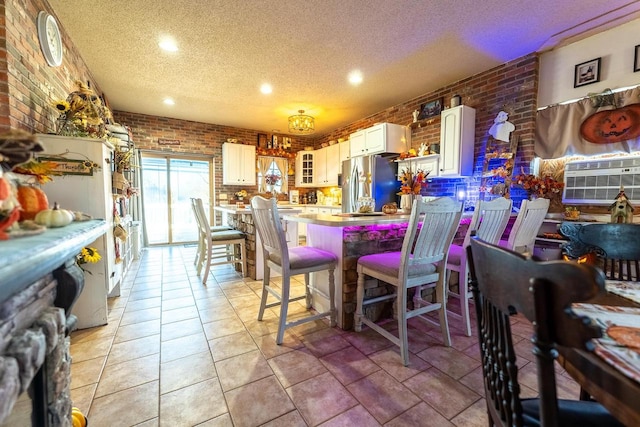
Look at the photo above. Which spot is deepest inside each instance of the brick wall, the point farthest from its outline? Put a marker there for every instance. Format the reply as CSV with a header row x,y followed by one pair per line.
x,y
196,138
511,87
28,85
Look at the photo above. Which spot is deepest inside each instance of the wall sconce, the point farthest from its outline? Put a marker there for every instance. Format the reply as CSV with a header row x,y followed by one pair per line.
x,y
461,192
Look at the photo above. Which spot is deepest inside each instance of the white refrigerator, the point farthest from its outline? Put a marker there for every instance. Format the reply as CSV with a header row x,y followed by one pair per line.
x,y
90,194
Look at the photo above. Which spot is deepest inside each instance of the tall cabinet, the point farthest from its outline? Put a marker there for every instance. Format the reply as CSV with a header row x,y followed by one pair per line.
x,y
457,139
91,193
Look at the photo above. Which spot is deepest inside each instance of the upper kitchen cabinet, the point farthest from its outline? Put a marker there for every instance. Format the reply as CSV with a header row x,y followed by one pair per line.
x,y
428,163
345,153
457,137
305,167
327,166
381,138
238,164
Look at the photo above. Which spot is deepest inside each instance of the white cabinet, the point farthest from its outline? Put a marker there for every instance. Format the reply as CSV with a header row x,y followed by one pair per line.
x,y
90,194
238,164
429,163
305,168
457,139
327,166
345,153
381,138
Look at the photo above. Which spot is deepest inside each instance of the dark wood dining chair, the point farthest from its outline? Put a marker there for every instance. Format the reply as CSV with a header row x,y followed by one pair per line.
x,y
505,283
617,246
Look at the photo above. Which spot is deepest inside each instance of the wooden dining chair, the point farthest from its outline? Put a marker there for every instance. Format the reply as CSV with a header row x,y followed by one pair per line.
x,y
505,283
289,262
522,236
232,243
488,223
201,250
617,246
421,263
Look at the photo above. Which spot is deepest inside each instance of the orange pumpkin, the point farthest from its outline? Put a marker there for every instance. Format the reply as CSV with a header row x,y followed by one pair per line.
x,y
610,126
32,200
5,189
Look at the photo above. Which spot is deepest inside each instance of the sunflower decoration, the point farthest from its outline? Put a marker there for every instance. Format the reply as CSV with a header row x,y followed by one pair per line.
x,y
82,114
87,255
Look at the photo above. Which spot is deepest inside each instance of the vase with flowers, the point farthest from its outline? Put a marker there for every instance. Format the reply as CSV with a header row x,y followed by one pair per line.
x,y
241,194
542,187
411,186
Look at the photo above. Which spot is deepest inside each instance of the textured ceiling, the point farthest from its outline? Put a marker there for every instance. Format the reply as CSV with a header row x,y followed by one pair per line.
x,y
305,50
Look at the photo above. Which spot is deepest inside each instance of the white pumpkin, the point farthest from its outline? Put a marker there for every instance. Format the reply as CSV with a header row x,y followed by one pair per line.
x,y
55,217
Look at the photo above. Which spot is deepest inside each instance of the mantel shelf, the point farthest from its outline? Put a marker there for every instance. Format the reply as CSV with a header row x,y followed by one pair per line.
x,y
424,122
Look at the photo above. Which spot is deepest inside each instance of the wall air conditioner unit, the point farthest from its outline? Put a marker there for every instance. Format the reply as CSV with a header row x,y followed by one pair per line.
x,y
598,181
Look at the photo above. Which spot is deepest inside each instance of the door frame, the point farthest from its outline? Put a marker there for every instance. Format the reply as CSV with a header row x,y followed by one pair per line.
x,y
180,156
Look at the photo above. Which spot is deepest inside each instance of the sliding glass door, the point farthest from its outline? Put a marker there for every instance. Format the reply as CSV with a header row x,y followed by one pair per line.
x,y
168,184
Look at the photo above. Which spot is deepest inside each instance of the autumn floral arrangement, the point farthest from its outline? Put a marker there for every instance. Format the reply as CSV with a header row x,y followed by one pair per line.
x,y
82,114
242,194
412,183
546,187
272,179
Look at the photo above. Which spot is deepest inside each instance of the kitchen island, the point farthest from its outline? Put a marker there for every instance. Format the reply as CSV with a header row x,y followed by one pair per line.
x,y
240,218
349,238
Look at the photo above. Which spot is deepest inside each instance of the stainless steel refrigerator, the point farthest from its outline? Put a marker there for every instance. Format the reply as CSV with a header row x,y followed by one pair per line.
x,y
369,176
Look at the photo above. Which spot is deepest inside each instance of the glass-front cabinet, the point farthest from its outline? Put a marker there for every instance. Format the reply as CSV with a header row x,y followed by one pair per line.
x,y
304,168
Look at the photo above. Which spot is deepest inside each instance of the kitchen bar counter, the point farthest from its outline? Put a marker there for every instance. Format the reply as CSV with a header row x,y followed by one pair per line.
x,y
341,220
349,238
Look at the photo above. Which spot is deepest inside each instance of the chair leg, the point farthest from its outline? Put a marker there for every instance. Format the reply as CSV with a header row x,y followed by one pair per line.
x,y
463,289
284,306
243,257
332,298
359,302
441,297
207,261
265,293
401,301
307,291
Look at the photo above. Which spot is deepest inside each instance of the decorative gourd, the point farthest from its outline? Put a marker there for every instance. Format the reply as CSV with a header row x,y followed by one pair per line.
x,y
610,126
55,217
5,189
32,200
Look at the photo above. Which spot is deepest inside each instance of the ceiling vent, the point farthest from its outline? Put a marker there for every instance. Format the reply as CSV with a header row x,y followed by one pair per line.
x,y
598,181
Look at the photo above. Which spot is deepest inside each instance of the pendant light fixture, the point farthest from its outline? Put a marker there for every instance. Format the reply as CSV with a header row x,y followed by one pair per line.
x,y
301,124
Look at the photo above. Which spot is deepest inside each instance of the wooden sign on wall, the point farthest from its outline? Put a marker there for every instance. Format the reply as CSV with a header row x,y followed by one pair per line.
x,y
162,141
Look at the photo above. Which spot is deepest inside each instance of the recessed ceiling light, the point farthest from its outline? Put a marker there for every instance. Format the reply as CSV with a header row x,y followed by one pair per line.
x,y
168,44
355,77
169,101
266,88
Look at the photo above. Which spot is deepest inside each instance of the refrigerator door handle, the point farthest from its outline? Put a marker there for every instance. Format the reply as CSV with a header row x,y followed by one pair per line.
x,y
355,180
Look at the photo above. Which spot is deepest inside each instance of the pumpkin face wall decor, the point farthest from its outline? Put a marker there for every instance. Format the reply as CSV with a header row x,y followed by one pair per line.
x,y
610,126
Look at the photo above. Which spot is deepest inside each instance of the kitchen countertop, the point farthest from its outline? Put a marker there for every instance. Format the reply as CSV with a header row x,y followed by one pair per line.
x,y
233,210
26,259
345,221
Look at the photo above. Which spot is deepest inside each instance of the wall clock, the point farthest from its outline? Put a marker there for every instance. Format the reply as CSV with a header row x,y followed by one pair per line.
x,y
49,37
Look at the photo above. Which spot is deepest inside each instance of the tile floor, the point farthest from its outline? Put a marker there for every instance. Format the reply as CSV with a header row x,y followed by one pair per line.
x,y
177,353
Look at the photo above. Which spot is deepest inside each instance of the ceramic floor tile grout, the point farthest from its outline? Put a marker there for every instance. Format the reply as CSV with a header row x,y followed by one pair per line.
x,y
176,265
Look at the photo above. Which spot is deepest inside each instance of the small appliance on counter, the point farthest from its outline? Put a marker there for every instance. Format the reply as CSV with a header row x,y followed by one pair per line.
x,y
312,197
294,197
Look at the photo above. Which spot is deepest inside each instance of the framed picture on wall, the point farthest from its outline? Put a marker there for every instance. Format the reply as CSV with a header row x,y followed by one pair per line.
x,y
262,140
430,109
587,73
636,59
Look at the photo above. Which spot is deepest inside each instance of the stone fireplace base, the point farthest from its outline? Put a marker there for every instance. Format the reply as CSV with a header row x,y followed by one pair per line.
x,y
34,356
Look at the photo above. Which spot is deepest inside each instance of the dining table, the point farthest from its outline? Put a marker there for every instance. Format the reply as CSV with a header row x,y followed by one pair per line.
x,y
610,374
